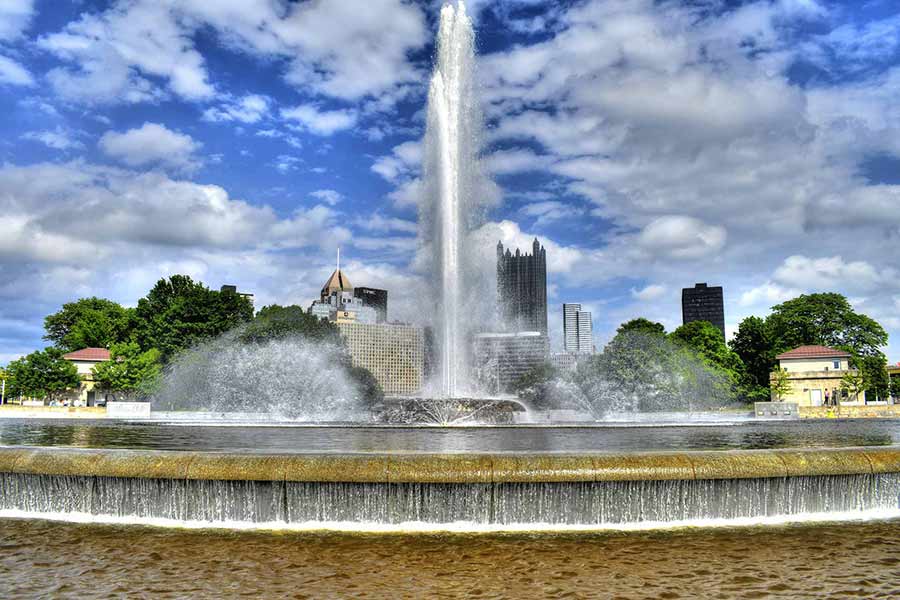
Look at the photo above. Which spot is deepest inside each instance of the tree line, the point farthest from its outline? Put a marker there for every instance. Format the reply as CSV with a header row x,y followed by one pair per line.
x,y
178,313
748,360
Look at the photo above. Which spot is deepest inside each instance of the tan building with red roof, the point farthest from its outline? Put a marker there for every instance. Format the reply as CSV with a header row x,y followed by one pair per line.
x,y
815,374
85,360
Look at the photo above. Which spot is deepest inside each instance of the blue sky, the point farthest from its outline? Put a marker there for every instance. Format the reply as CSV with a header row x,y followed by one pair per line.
x,y
649,145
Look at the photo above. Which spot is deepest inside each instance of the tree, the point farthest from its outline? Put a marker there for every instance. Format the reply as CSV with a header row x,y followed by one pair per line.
x,y
89,323
753,344
5,385
179,313
780,384
853,383
827,320
895,387
129,372
705,340
642,325
371,390
44,374
278,322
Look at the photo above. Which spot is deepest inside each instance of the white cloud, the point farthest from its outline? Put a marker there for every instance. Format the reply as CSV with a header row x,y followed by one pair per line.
x,y
58,139
649,293
681,237
323,123
330,197
404,161
15,16
285,163
251,108
152,144
831,273
113,53
13,73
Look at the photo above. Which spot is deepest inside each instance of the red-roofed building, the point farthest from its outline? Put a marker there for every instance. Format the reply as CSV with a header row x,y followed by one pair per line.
x,y
85,360
815,373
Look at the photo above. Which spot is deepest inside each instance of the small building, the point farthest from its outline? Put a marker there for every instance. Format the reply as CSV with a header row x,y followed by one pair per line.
x,y
568,362
85,360
815,374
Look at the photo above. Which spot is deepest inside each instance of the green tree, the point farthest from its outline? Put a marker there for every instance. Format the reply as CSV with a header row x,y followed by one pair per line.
x,y
827,320
853,383
179,313
642,325
753,344
5,384
780,384
895,388
90,323
130,372
44,374
278,322
705,340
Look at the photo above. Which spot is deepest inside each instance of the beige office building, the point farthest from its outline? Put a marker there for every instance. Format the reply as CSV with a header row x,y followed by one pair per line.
x,y
395,354
815,374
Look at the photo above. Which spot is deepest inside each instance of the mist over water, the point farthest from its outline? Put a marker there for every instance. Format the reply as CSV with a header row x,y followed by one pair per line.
x,y
290,379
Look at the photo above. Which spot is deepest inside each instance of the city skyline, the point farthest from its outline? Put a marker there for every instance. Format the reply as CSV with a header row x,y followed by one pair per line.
x,y
265,149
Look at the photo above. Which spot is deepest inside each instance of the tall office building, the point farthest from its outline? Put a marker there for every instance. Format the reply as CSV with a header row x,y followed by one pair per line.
x,y
377,299
522,288
578,329
703,303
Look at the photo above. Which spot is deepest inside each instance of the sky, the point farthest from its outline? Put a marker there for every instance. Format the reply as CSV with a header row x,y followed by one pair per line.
x,y
649,145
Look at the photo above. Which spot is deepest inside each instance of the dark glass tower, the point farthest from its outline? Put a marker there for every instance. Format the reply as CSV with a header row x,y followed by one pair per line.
x,y
377,299
522,288
703,303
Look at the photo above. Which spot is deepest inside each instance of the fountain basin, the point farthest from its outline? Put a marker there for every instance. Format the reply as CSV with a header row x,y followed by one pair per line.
x,y
450,468
433,492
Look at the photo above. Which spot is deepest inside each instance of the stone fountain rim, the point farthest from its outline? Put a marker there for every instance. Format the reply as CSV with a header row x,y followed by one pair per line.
x,y
451,468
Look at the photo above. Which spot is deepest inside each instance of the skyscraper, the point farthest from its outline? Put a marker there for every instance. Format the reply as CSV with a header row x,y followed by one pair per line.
x,y
522,288
377,299
578,329
703,303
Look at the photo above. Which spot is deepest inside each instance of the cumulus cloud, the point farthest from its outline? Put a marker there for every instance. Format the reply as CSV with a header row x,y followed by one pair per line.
x,y
251,108
152,144
15,16
58,139
681,237
319,122
834,272
113,54
13,73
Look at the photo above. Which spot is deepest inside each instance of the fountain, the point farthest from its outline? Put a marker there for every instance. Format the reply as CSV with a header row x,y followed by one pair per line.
x,y
509,477
450,154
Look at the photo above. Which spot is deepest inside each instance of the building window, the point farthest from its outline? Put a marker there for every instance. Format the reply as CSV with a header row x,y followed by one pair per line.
x,y
837,364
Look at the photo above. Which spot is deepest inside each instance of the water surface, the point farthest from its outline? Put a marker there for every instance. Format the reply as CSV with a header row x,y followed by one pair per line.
x,y
745,434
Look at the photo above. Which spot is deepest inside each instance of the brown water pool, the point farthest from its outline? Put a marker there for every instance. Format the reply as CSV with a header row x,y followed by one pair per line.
x,y
851,560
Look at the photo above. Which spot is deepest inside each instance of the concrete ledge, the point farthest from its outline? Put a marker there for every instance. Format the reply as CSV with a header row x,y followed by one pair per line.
x,y
450,468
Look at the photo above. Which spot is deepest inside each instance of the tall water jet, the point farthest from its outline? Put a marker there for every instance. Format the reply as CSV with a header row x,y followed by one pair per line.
x,y
451,149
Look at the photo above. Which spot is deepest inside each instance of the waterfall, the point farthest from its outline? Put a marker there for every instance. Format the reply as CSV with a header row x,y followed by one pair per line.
x,y
451,151
449,506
